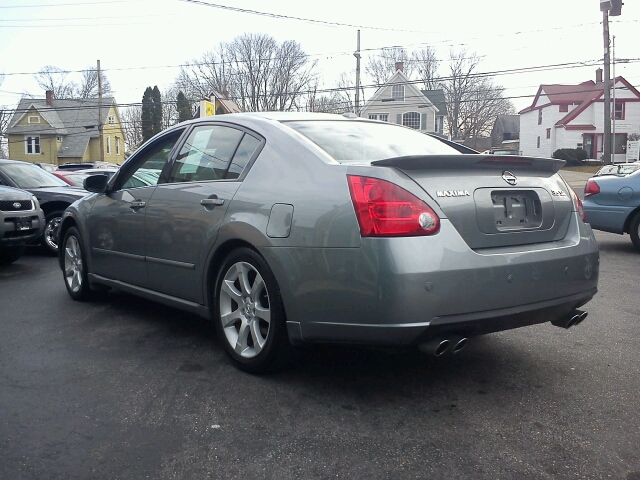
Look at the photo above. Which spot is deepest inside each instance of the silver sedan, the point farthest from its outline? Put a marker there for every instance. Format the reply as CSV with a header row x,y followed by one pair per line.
x,y
287,228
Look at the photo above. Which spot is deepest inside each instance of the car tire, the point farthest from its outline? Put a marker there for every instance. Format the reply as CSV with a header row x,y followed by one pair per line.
x,y
634,230
249,314
50,238
74,266
9,255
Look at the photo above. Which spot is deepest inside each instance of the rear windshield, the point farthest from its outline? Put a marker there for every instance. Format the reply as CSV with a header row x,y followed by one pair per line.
x,y
364,142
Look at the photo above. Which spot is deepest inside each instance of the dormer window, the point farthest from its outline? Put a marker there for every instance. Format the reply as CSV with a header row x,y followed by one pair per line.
x,y
33,119
397,92
111,120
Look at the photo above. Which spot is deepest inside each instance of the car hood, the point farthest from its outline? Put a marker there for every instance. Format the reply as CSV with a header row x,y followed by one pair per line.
x,y
10,193
66,194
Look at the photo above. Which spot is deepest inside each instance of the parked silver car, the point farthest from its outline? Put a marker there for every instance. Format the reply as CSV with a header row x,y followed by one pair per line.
x,y
285,228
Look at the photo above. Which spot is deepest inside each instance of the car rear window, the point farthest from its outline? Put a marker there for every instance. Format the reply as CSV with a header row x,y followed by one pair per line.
x,y
364,142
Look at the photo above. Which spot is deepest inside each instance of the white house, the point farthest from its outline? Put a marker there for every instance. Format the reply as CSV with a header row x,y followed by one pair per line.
x,y
572,116
400,101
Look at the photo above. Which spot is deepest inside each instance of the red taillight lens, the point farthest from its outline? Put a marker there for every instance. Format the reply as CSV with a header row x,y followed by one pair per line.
x,y
591,188
578,204
387,210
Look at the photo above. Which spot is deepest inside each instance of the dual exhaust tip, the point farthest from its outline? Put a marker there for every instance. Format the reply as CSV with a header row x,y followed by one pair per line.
x,y
571,319
438,346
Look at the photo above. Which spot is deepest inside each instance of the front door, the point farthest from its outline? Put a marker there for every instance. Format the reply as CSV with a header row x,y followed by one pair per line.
x,y
588,144
116,223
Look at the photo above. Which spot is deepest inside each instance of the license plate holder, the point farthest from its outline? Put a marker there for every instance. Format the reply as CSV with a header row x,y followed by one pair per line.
x,y
23,223
516,209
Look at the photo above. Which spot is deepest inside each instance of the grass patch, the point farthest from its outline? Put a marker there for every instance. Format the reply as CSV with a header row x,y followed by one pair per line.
x,y
584,168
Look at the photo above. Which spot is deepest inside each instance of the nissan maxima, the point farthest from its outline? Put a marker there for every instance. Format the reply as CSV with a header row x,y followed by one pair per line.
x,y
288,228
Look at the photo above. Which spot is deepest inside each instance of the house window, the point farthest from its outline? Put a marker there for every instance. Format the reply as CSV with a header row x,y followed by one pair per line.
x,y
397,92
32,145
564,108
59,138
540,117
33,119
538,143
548,133
438,125
383,117
619,111
108,145
411,119
111,120
117,145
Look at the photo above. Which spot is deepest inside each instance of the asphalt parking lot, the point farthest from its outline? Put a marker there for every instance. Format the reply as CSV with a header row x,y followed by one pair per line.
x,y
124,388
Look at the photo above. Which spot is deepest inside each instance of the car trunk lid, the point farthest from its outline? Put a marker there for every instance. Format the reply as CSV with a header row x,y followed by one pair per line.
x,y
494,201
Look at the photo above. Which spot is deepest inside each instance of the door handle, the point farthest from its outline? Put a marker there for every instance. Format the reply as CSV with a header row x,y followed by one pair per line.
x,y
212,201
137,204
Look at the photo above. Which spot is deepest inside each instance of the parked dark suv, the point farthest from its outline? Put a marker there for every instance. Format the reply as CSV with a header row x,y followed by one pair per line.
x,y
21,222
53,194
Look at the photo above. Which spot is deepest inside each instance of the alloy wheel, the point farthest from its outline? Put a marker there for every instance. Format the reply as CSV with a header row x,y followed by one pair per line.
x,y
51,233
245,310
73,264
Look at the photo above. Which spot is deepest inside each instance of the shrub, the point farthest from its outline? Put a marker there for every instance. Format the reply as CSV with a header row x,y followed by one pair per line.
x,y
573,156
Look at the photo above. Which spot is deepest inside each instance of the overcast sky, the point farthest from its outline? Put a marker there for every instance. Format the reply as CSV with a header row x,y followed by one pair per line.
x,y
140,43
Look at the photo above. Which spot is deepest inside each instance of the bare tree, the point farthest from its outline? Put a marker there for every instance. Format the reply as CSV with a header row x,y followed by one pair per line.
x,y
5,116
131,122
256,71
169,107
473,101
425,64
55,79
88,87
197,79
381,67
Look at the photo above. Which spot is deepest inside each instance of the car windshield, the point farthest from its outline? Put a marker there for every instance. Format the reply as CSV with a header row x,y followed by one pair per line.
x,y
364,142
28,176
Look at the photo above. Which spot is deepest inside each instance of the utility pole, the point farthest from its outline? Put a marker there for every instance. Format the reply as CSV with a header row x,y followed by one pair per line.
x,y
100,126
604,6
357,55
613,101
613,8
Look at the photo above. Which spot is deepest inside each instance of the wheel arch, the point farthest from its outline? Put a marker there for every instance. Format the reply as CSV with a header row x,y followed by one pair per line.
x,y
57,205
629,219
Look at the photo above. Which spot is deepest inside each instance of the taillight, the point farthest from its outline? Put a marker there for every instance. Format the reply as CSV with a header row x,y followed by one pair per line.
x,y
591,188
387,210
578,204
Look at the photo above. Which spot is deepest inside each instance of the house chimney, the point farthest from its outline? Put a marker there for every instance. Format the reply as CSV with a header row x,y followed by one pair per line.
x,y
400,66
49,94
599,75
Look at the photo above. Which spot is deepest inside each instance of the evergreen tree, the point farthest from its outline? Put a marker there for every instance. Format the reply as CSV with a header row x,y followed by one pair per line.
x,y
183,107
156,122
146,116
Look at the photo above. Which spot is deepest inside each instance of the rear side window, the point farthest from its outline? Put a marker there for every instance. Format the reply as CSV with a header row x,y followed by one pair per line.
x,y
247,148
206,154
364,142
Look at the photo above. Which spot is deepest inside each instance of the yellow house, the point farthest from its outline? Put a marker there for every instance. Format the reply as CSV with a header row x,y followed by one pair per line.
x,y
60,131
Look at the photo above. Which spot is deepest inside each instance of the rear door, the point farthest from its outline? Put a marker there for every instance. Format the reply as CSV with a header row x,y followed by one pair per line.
x,y
184,215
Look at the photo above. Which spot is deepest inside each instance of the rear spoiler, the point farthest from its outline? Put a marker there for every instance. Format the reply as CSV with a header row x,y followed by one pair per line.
x,y
470,161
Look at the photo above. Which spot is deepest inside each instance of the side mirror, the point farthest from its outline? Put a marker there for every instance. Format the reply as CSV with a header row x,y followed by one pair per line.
x,y
96,183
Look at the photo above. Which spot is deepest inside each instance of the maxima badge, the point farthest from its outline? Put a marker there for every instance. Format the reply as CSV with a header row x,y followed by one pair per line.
x,y
509,177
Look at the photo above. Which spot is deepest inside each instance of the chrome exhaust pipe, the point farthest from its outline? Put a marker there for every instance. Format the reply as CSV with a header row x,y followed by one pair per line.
x,y
457,343
572,318
435,347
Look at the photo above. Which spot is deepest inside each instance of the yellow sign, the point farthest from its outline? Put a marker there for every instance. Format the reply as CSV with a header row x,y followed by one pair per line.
x,y
207,109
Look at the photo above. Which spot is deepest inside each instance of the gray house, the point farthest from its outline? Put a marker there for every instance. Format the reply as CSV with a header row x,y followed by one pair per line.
x,y
506,132
400,101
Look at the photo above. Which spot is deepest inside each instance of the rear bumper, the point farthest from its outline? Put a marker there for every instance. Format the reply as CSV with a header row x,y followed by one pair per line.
x,y
406,290
467,325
